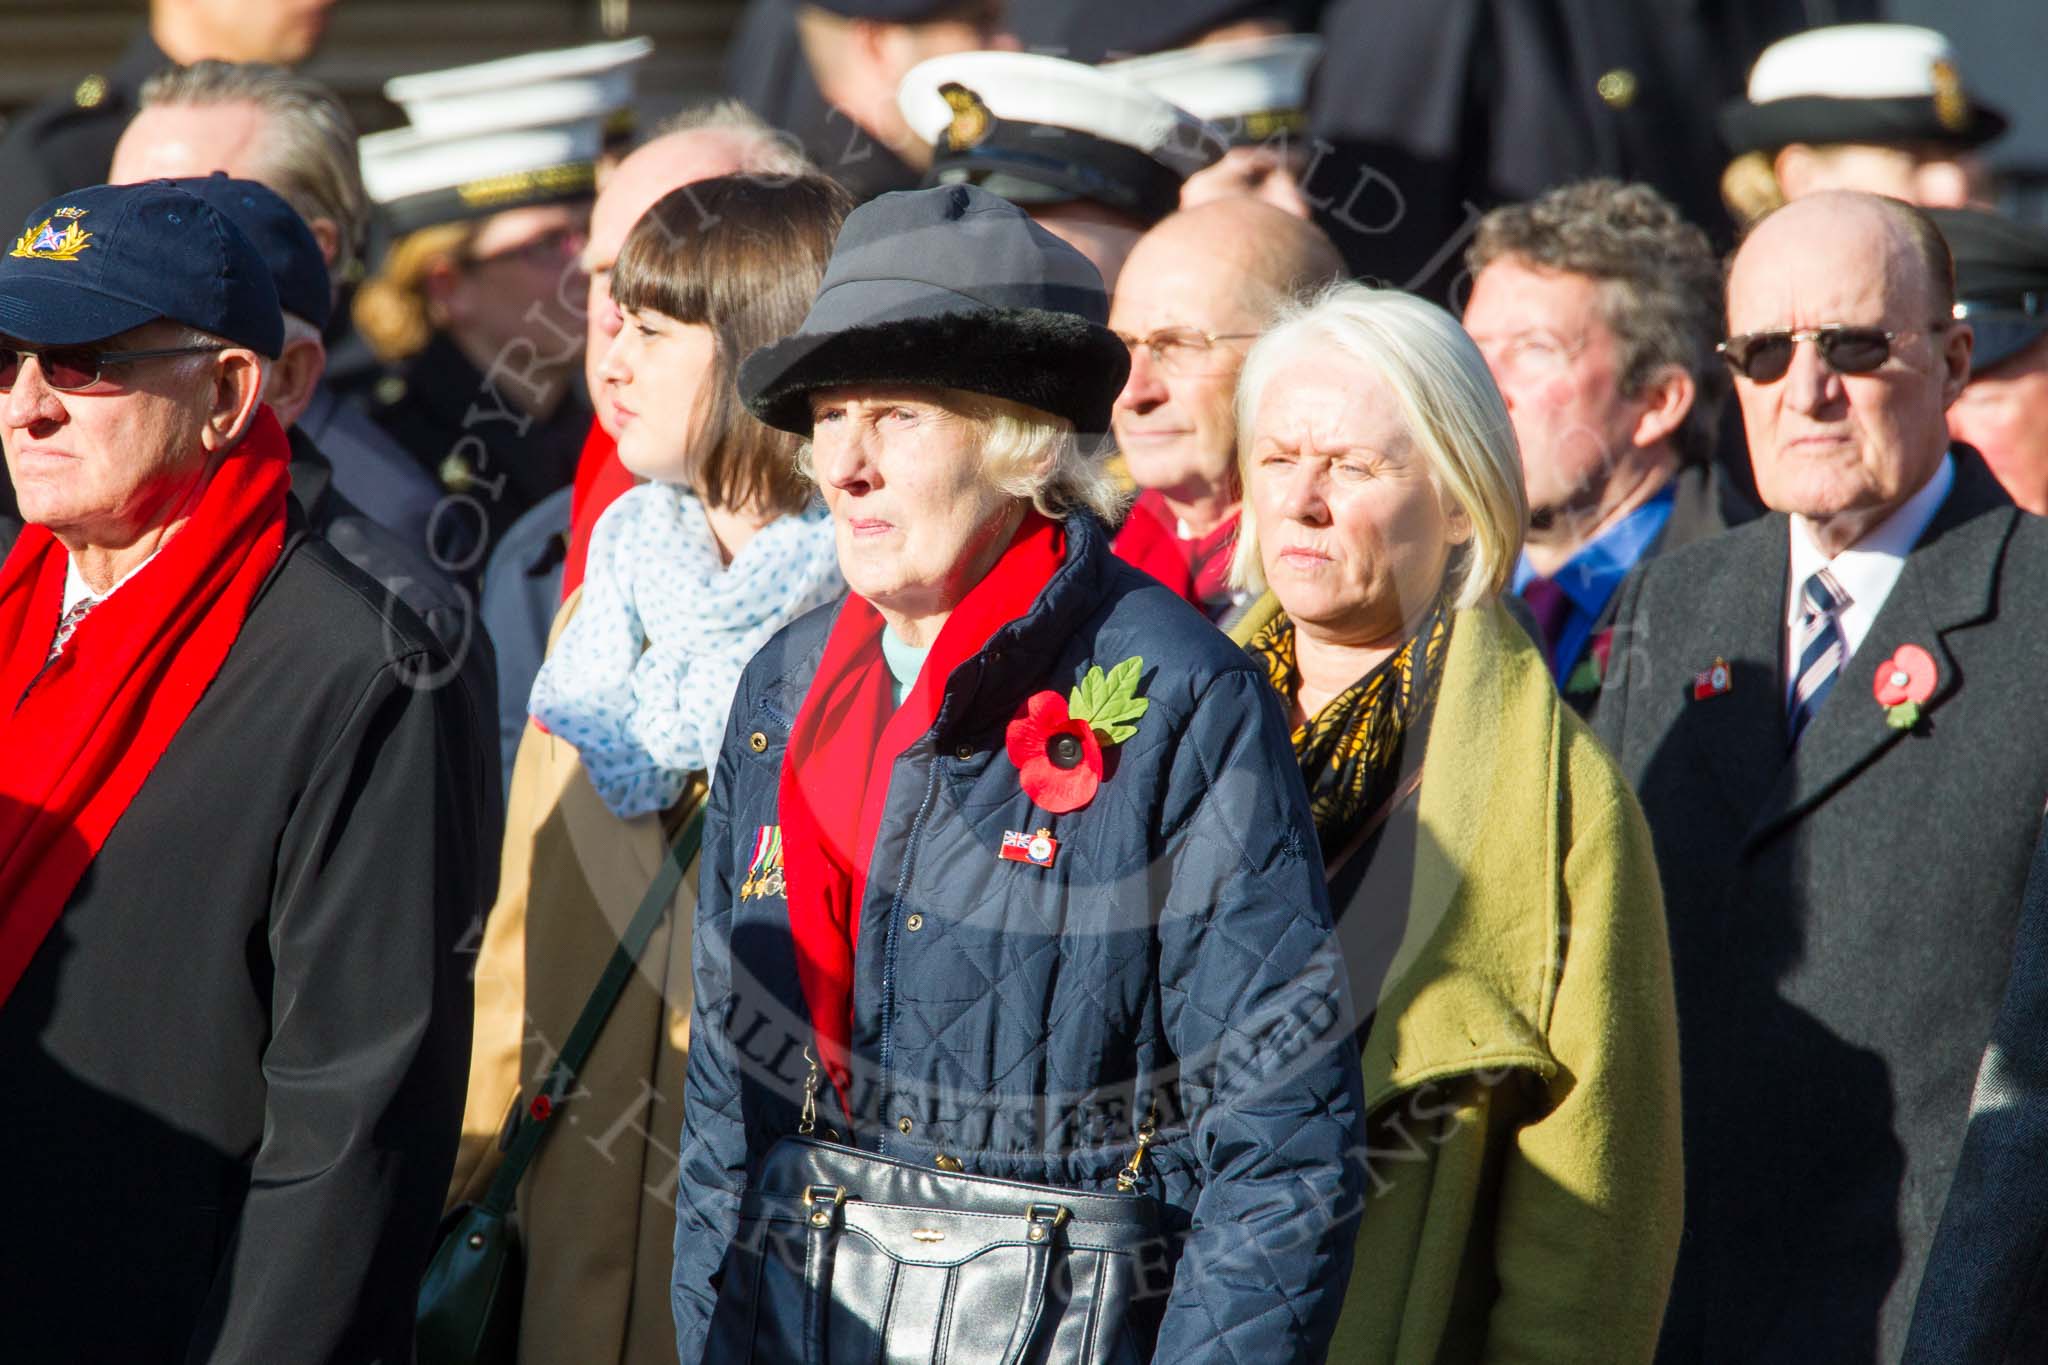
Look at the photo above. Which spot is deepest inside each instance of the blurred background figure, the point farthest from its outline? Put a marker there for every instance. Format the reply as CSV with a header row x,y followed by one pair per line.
x,y
538,563
1597,308
2002,292
1090,31
1094,158
828,73
1193,296
477,307
1255,92
68,139
1876,107
260,122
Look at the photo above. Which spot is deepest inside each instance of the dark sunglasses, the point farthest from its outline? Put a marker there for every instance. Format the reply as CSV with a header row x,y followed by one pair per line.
x,y
68,369
1764,357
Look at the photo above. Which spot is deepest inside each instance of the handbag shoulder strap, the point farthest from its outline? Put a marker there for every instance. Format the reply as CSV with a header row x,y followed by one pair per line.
x,y
534,1122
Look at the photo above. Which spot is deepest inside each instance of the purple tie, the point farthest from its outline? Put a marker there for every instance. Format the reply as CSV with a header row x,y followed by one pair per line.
x,y
1549,605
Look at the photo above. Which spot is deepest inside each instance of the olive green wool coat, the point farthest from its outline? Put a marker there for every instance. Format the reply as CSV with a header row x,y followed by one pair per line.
x,y
1521,1069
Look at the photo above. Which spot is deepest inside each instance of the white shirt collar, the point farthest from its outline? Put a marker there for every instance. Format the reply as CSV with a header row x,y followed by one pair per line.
x,y
77,590
1870,568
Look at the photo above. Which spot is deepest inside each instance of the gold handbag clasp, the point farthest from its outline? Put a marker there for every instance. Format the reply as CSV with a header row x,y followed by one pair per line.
x,y
1127,1178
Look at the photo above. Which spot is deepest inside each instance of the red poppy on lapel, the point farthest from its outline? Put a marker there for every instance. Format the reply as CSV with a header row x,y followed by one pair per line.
x,y
1057,742
1059,760
1591,674
1902,683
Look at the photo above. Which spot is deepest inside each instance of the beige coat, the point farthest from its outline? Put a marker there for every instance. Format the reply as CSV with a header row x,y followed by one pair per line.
x,y
596,1211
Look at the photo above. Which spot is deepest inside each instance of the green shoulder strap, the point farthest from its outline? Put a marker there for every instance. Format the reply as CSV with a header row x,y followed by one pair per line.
x,y
539,1116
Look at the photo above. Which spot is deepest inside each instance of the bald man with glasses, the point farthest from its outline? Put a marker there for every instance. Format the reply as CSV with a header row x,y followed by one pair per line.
x,y
1191,299
1830,717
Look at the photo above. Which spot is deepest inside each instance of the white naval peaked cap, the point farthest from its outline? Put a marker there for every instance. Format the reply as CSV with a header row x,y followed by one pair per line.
x,y
1251,88
1875,83
1041,130
593,81
1851,61
498,135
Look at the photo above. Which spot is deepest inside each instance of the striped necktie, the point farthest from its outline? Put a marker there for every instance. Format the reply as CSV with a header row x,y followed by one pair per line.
x,y
1820,649
68,624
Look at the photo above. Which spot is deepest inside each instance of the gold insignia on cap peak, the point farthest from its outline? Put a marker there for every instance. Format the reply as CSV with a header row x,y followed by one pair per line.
x,y
1951,105
43,242
972,121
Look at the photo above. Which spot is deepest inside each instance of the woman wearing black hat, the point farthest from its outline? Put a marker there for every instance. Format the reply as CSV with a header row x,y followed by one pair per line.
x,y
1011,844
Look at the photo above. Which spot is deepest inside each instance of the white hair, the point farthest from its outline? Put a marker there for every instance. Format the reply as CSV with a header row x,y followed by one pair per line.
x,y
1448,400
762,149
1029,454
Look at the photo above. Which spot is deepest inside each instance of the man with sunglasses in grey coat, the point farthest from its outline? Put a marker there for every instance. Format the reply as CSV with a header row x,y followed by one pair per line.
x,y
1826,715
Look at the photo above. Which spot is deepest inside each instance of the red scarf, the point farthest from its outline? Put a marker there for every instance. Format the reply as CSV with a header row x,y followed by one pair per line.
x,y
1200,569
835,774
75,750
600,478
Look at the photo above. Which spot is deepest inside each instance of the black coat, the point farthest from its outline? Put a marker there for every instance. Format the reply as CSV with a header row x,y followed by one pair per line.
x,y
1426,113
493,460
236,1065
1841,920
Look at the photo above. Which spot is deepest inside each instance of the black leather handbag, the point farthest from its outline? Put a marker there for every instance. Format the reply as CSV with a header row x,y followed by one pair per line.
x,y
843,1255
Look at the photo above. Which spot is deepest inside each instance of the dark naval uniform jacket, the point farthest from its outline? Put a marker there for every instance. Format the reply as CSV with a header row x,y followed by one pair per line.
x,y
492,459
67,141
1842,916
234,1070
1426,113
371,470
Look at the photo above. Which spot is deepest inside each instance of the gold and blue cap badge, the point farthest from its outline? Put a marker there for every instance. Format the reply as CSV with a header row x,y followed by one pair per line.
x,y
97,262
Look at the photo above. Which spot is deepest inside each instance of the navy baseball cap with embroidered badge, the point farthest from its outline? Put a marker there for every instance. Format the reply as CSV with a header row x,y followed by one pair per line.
x,y
96,262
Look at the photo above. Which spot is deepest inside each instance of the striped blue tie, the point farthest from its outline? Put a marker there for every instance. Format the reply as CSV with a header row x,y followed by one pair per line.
x,y
1820,649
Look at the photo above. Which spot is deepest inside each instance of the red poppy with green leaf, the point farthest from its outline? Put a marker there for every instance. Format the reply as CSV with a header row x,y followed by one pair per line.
x,y
1057,742
1903,683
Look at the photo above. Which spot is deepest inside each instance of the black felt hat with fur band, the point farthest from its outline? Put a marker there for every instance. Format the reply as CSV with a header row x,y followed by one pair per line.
x,y
948,288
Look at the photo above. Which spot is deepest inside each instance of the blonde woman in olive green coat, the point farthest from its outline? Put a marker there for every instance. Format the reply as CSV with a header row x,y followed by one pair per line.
x,y
1493,877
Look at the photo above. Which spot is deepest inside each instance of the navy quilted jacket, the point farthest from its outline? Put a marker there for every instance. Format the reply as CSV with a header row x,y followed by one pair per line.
x,y
1176,958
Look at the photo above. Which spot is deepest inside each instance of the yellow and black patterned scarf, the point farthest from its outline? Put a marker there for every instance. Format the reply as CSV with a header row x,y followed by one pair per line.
x,y
1350,751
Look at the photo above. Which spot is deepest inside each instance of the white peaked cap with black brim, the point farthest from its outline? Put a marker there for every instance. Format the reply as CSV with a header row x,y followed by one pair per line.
x,y
1250,88
1042,130
499,135
1884,84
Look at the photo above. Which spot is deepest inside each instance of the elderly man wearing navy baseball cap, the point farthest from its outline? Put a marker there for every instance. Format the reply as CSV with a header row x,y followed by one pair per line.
x,y
238,839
